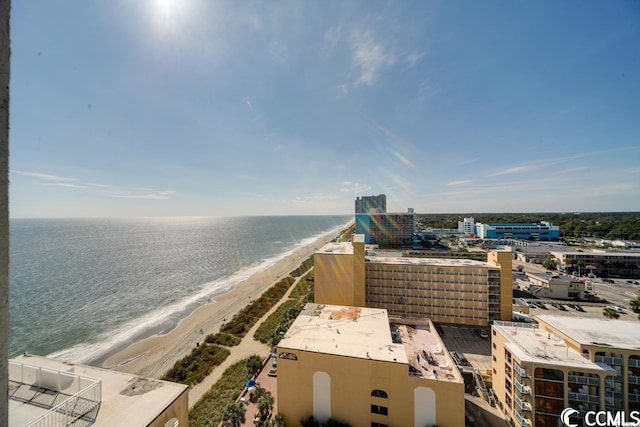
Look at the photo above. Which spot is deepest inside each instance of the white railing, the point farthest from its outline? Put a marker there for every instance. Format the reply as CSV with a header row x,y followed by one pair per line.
x,y
521,371
584,397
583,379
523,389
79,409
524,422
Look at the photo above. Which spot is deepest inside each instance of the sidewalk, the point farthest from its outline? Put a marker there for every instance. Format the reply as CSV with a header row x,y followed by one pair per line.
x,y
247,347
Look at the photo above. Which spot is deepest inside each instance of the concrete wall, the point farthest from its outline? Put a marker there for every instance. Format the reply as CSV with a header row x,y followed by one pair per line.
x,y
346,383
334,280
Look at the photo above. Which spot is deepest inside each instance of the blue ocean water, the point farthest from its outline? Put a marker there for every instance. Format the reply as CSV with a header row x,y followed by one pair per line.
x,y
79,287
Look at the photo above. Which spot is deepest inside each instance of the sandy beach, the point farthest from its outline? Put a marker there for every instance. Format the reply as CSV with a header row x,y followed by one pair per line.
x,y
153,356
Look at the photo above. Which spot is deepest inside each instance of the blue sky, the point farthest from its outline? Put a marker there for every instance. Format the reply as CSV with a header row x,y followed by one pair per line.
x,y
198,107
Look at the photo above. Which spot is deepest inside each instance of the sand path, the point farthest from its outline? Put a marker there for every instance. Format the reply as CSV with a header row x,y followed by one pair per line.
x,y
247,347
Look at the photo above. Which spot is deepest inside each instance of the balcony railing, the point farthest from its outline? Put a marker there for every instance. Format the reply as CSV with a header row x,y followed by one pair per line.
x,y
634,380
523,389
79,408
634,398
584,397
524,406
523,421
634,363
617,361
583,379
521,371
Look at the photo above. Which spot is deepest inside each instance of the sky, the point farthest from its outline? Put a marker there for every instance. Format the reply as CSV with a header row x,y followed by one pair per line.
x,y
125,108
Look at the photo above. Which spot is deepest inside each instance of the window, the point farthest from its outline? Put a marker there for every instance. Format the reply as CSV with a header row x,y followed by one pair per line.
x,y
382,410
379,393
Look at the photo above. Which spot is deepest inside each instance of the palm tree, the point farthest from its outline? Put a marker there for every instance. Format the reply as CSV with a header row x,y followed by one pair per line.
x,y
265,404
234,414
635,305
254,364
610,313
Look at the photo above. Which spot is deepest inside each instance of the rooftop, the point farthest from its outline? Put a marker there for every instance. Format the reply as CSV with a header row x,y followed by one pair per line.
x,y
623,334
336,248
365,333
530,344
37,384
436,262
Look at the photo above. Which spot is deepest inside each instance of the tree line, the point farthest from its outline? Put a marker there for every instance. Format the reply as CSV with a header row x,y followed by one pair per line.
x,y
600,225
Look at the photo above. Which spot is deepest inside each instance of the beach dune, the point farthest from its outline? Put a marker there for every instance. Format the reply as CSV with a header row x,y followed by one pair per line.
x,y
154,356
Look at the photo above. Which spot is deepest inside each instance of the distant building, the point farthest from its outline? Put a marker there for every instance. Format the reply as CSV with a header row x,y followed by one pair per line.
x,y
534,231
601,263
467,227
50,392
371,204
582,363
387,229
556,286
460,291
349,364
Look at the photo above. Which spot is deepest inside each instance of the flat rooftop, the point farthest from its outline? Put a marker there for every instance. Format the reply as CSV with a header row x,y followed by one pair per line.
x,y
125,399
365,333
336,248
436,262
623,334
530,344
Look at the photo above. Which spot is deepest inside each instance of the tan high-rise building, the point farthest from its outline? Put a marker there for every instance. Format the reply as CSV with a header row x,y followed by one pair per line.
x,y
349,364
585,364
443,290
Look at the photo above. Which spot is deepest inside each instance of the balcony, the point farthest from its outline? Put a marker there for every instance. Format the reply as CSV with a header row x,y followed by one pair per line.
x,y
523,389
524,406
634,363
614,361
584,397
523,421
583,379
634,398
634,380
521,371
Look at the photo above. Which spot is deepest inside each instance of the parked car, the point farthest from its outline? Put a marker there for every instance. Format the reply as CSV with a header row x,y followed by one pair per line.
x,y
578,307
460,359
608,280
616,308
562,307
482,333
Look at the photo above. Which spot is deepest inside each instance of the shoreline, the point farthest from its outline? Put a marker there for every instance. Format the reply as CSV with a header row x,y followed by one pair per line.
x,y
153,356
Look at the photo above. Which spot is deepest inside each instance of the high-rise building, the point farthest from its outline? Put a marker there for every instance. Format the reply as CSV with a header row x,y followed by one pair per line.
x,y
371,204
444,290
585,364
349,364
467,226
386,229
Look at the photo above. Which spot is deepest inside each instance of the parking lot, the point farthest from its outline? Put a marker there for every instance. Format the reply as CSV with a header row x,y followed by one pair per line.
x,y
465,340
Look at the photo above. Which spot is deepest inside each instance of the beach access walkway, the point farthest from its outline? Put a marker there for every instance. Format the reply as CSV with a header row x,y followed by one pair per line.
x,y
247,347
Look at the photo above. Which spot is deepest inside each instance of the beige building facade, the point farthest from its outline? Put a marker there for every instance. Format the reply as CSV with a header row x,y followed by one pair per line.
x,y
444,290
581,363
349,364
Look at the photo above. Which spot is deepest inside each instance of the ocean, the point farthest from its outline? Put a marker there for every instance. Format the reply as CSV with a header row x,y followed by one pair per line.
x,y
80,287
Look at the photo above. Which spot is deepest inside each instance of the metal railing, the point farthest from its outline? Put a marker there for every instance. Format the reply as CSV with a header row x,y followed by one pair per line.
x,y
583,379
523,389
584,397
520,370
81,406
523,421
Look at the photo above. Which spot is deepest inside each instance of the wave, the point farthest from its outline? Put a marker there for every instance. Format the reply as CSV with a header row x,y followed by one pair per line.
x,y
149,323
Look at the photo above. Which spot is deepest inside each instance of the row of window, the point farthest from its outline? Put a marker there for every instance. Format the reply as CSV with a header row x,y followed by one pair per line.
x,y
402,299
384,269
406,289
483,309
425,280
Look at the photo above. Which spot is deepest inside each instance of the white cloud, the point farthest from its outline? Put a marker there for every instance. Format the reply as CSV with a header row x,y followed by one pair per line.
x,y
369,58
461,182
518,169
42,176
157,195
65,184
414,58
353,187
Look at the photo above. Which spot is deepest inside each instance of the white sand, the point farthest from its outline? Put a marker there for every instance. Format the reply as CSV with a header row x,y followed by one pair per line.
x,y
153,356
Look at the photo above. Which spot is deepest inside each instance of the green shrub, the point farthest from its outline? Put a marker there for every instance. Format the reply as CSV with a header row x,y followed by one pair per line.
x,y
211,406
222,338
193,368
